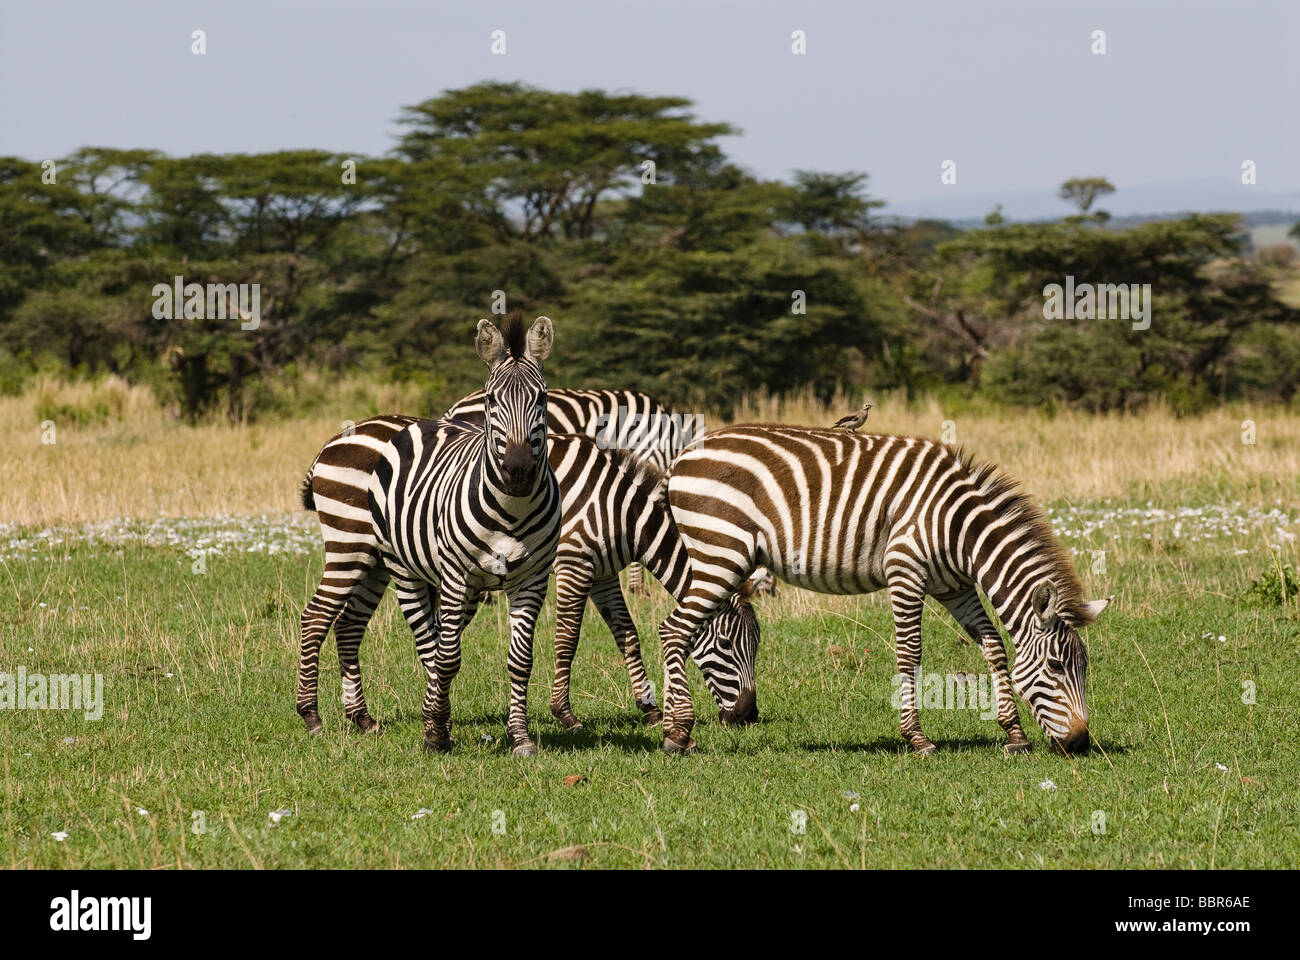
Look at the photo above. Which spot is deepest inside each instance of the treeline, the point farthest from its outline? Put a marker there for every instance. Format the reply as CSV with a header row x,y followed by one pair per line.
x,y
666,266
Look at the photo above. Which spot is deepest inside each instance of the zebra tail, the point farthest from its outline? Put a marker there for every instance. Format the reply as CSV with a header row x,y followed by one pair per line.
x,y
308,501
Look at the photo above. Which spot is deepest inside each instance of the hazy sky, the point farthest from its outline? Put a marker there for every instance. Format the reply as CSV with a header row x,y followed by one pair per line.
x,y
1010,91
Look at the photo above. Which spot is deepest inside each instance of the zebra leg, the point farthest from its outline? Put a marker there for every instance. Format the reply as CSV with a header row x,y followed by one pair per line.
x,y
323,609
636,579
525,604
347,568
317,618
439,652
967,610
675,634
907,599
572,585
609,601
349,629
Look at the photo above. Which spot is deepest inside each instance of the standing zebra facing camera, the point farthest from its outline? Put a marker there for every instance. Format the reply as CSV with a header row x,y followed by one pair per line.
x,y
454,511
625,420
839,512
615,510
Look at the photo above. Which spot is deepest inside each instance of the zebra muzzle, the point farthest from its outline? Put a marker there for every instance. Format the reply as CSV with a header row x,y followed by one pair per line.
x,y
518,468
744,711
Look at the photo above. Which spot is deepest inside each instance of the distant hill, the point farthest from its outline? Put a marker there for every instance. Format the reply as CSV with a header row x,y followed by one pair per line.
x,y
1136,203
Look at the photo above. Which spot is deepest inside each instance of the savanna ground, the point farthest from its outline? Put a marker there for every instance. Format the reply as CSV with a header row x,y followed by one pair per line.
x,y
170,560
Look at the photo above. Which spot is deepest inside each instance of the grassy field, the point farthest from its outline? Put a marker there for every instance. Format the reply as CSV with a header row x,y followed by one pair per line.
x,y
199,759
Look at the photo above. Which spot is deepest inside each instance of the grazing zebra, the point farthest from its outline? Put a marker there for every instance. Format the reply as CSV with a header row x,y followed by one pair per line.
x,y
614,509
619,419
452,511
839,512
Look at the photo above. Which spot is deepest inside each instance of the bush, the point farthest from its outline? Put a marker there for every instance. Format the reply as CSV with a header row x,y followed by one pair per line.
x,y
1275,586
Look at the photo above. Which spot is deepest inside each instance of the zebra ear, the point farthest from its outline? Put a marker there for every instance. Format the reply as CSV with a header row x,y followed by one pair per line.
x,y
489,343
1044,603
540,337
1093,608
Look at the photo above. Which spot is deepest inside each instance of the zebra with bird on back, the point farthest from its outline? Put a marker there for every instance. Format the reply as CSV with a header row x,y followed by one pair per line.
x,y
834,511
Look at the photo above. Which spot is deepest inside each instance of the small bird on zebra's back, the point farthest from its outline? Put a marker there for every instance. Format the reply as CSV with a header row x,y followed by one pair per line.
x,y
853,421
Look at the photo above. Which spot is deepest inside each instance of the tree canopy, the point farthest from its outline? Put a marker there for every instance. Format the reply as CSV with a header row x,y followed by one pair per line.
x,y
666,265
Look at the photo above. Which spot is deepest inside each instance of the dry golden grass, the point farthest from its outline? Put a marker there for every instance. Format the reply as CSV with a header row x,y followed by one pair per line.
x,y
117,454
1077,455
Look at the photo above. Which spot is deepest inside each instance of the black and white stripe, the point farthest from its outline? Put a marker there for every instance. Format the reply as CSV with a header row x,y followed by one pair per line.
x,y
455,510
614,511
838,512
626,420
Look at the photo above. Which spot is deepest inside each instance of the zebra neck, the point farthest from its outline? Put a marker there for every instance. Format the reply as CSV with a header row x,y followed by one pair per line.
x,y
1009,583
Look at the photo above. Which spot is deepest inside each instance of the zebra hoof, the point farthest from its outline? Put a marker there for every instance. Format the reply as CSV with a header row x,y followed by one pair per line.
x,y
438,746
1013,748
568,720
366,724
924,749
528,749
653,716
672,747
312,719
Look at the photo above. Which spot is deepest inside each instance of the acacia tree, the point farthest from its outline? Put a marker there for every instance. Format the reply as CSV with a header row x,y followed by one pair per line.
x,y
1082,192
549,158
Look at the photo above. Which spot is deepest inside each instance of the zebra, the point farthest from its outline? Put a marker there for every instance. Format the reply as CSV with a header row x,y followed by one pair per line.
x,y
452,510
848,513
620,419
614,509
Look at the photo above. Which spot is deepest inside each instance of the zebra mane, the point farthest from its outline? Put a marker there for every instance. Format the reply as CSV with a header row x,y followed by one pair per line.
x,y
993,483
512,329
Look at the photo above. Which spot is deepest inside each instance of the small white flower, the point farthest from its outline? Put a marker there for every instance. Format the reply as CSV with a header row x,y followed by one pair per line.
x,y
1047,785
40,605
69,739
1222,767
168,674
421,813
853,808
142,811
59,835
1222,638
275,815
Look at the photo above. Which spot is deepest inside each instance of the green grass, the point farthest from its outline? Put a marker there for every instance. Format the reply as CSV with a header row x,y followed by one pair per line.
x,y
200,674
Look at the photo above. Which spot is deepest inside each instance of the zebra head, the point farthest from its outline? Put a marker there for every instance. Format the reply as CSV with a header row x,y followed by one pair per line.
x,y
514,401
1051,666
725,651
